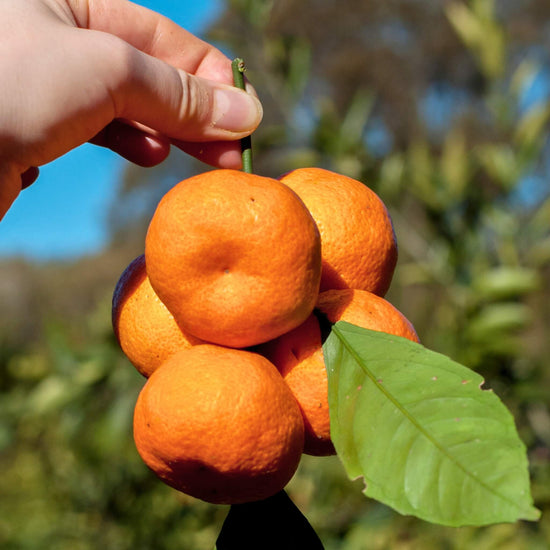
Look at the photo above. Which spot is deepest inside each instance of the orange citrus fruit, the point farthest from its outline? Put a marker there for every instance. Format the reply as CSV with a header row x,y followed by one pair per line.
x,y
235,257
145,330
299,356
366,310
219,424
359,248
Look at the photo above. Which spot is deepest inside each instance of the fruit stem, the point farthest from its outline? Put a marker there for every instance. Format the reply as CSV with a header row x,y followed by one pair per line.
x,y
246,143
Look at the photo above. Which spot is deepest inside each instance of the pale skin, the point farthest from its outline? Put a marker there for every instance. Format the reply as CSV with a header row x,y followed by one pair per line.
x,y
117,75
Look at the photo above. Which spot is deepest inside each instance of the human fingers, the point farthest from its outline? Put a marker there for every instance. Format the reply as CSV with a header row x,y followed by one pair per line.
x,y
160,37
153,34
121,82
29,176
179,105
140,146
145,149
222,154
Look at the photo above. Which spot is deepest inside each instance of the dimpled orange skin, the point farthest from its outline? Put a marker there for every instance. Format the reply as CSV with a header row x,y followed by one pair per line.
x,y
219,424
235,257
145,330
299,356
359,248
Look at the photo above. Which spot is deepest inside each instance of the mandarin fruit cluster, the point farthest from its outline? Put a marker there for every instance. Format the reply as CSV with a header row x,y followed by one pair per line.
x,y
223,315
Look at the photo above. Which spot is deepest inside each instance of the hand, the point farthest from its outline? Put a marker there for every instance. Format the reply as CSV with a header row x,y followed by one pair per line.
x,y
118,75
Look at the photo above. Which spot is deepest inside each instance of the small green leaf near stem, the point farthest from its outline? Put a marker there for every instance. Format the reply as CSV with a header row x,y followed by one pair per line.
x,y
246,143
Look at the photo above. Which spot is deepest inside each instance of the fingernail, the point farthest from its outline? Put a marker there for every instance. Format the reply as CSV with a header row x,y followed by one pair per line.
x,y
235,110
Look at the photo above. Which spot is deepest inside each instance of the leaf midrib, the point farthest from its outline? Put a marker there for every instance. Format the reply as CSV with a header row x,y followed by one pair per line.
x,y
349,348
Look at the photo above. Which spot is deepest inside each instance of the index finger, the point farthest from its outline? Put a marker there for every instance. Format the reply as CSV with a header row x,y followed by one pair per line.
x,y
154,34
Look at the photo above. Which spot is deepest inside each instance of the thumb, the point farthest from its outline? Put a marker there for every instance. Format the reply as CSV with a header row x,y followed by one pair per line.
x,y
177,104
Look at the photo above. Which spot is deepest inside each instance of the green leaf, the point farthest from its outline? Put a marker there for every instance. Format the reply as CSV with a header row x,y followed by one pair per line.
x,y
496,319
455,165
532,125
273,523
500,162
419,429
505,282
480,31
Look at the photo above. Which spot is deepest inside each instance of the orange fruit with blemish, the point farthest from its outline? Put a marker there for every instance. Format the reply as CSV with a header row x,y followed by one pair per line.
x,y
235,257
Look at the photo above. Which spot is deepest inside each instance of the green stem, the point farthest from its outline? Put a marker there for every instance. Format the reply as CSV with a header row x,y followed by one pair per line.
x,y
246,143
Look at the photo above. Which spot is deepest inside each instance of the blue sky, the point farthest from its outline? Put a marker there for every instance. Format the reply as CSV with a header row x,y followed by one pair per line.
x,y
62,215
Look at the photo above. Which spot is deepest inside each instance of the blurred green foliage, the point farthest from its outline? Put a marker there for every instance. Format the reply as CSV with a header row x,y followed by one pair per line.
x,y
344,86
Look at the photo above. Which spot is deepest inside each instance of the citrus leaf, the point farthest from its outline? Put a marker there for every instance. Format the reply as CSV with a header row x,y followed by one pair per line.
x,y
273,523
424,435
